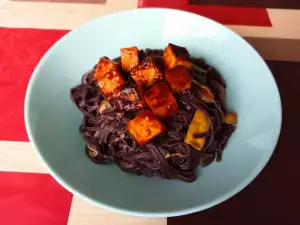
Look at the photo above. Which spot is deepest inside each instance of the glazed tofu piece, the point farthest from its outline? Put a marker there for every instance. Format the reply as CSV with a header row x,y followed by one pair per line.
x,y
175,55
230,118
129,58
179,79
105,65
199,125
128,100
146,73
110,83
108,76
161,100
145,127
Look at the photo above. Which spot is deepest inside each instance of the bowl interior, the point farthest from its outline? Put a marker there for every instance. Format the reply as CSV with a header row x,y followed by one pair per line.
x,y
52,120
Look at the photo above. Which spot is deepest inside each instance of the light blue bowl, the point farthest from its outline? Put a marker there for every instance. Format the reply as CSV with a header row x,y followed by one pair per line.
x,y
52,120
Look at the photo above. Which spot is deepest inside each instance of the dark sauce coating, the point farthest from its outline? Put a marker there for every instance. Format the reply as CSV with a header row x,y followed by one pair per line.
x,y
109,142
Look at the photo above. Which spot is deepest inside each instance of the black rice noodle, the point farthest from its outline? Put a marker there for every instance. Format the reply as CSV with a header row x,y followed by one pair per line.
x,y
109,142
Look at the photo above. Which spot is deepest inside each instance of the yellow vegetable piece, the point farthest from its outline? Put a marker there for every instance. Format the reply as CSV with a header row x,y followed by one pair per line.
x,y
230,118
92,152
199,124
168,155
105,106
206,94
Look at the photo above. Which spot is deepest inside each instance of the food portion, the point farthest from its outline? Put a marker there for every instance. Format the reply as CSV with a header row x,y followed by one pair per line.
x,y
176,56
161,100
129,58
108,76
206,94
230,118
145,127
154,112
179,79
128,100
199,127
147,73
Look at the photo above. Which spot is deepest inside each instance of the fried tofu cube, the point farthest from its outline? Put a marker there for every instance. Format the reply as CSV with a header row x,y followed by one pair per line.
x,y
199,125
161,100
108,77
230,118
145,127
147,73
179,79
175,55
104,66
129,58
110,83
128,100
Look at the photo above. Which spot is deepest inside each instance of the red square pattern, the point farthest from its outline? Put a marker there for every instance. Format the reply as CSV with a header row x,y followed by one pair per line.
x,y
33,199
20,51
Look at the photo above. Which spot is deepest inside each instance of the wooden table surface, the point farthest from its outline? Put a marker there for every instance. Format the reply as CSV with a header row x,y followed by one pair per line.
x,y
29,195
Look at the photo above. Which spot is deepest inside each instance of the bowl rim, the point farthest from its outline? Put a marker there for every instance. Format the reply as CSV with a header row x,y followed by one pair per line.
x,y
178,212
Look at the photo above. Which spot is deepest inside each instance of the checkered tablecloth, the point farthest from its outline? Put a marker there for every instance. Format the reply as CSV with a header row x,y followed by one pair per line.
x,y
30,196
